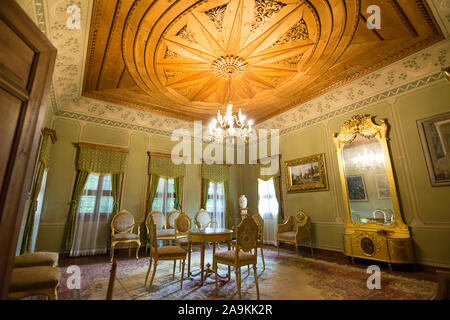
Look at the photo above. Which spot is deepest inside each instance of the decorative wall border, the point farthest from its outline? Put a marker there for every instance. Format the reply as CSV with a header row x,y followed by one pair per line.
x,y
354,106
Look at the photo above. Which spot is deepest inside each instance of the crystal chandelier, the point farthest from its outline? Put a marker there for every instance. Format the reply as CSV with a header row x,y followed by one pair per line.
x,y
230,125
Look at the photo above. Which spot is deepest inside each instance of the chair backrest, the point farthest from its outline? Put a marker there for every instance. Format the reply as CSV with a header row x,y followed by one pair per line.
x,y
151,229
246,235
171,217
202,219
302,219
260,223
182,224
122,222
159,218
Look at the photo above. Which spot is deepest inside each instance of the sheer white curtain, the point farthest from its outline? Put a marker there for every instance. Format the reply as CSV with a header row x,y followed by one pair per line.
x,y
92,222
216,203
268,208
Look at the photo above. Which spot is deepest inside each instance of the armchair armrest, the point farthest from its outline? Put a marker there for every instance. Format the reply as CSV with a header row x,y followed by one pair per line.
x,y
303,230
287,226
138,228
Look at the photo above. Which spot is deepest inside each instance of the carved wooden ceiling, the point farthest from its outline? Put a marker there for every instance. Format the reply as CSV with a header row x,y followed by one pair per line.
x,y
186,59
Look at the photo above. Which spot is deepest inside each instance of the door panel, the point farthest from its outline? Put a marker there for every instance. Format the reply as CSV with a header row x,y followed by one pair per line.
x,y
27,60
16,58
10,110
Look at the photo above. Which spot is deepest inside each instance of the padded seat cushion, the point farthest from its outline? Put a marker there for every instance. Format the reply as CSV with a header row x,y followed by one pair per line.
x,y
125,236
36,259
286,236
229,256
165,233
34,278
171,252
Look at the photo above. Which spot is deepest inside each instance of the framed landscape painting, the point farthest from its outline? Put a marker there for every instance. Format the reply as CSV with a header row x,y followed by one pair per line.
x,y
356,188
307,174
435,135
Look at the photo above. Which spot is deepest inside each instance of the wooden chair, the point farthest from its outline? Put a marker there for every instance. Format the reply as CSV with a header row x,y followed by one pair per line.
x,y
161,232
183,224
122,231
260,223
246,243
170,223
173,253
295,230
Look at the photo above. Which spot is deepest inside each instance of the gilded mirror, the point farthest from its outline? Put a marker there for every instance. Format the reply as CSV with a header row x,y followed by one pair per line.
x,y
367,178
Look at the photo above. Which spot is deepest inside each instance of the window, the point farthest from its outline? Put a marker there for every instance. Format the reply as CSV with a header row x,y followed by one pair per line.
x,y
268,204
165,196
215,204
96,200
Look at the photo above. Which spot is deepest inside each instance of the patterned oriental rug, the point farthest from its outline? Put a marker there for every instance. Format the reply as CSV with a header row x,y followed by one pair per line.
x,y
287,277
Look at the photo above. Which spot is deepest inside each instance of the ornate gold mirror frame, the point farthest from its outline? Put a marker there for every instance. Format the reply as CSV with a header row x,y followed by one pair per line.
x,y
364,126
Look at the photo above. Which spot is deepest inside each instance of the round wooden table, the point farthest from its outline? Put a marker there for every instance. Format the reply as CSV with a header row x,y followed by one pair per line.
x,y
203,236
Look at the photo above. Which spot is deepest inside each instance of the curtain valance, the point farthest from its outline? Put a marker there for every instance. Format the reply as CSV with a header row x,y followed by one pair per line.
x,y
163,166
264,174
216,173
101,159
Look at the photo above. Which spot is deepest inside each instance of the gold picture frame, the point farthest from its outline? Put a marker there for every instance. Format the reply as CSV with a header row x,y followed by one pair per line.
x,y
307,174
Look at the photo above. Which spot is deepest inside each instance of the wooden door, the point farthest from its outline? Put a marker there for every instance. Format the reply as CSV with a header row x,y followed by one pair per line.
x,y
27,60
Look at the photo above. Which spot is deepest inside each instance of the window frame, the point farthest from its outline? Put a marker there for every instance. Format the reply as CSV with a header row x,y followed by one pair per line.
x,y
98,197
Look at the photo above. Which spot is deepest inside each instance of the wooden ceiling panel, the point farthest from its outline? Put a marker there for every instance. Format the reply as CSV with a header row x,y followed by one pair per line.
x,y
186,59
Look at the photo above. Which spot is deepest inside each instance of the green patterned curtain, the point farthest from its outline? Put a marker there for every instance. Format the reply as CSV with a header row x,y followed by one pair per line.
x,y
264,177
70,224
216,173
228,212
276,183
43,166
164,167
29,225
178,184
101,160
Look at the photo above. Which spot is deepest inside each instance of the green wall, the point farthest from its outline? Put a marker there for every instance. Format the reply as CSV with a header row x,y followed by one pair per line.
x,y
425,209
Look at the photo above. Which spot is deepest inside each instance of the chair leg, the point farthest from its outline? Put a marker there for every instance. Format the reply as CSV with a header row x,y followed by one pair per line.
x,y
256,281
174,266
182,273
238,282
310,245
215,277
148,271
278,248
112,252
296,249
129,250
138,245
262,258
153,276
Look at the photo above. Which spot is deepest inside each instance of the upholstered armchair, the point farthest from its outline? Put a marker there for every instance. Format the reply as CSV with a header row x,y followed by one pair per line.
x,y
171,253
123,231
202,219
295,230
170,221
